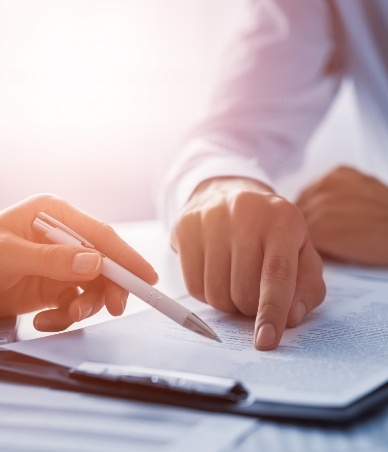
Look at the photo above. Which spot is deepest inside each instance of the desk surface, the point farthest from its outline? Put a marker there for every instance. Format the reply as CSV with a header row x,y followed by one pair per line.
x,y
367,434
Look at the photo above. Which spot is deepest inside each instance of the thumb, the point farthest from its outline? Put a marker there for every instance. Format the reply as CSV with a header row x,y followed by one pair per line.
x,y
62,262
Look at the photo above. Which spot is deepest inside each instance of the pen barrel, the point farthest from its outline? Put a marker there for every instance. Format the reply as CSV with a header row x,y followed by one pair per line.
x,y
128,280
144,291
56,235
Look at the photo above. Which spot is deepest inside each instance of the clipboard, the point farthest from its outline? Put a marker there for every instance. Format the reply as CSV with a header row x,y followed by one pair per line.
x,y
221,395
8,329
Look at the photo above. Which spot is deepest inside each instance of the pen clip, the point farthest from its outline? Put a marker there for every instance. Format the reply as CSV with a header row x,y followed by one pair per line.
x,y
45,223
174,382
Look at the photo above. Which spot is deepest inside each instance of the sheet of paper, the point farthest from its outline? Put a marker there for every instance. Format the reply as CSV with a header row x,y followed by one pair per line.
x,y
337,355
43,419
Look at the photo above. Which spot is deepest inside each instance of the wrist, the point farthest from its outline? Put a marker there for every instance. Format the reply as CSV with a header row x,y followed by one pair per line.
x,y
231,183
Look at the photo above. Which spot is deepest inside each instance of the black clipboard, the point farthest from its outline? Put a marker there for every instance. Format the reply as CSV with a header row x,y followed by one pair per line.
x,y
196,392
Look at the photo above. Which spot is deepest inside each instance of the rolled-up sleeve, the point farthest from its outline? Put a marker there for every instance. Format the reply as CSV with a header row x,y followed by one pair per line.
x,y
277,83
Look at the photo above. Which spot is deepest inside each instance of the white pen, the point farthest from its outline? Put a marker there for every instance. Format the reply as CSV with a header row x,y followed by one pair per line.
x,y
57,232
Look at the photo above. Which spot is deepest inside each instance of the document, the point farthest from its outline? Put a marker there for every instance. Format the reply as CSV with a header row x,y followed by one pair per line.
x,y
336,356
42,419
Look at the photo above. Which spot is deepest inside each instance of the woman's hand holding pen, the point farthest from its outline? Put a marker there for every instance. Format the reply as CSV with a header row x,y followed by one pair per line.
x,y
243,248
35,274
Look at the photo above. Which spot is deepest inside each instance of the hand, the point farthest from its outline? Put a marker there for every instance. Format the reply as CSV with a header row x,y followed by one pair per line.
x,y
347,216
243,248
36,274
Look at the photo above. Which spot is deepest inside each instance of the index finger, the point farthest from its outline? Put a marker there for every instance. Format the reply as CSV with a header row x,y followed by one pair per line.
x,y
98,233
277,288
110,244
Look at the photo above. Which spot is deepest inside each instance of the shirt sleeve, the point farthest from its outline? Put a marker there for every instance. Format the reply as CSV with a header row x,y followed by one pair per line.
x,y
279,79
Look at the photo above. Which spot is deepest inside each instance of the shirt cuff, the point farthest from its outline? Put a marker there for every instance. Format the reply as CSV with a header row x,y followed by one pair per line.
x,y
207,162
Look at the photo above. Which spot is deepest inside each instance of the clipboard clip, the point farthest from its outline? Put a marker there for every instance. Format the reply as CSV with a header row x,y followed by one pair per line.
x,y
208,387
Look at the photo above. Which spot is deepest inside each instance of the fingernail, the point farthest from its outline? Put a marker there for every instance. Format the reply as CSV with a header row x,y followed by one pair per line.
x,y
299,312
124,301
85,263
42,324
84,310
266,336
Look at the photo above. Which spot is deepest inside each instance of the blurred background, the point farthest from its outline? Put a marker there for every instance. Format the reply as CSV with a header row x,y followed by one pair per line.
x,y
95,96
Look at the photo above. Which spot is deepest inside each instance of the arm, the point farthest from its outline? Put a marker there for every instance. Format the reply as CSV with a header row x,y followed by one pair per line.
x,y
35,275
241,246
279,78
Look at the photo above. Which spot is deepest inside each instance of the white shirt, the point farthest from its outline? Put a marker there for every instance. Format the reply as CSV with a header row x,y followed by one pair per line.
x,y
279,82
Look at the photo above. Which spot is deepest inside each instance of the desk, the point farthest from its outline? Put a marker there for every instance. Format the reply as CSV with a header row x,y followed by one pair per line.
x,y
369,434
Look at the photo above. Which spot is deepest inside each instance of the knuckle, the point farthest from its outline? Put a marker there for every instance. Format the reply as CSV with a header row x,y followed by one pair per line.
x,y
220,299
286,215
43,200
293,214
102,229
278,269
212,216
245,305
185,224
342,169
186,230
100,226
325,185
51,255
279,204
270,310
212,213
335,176
244,203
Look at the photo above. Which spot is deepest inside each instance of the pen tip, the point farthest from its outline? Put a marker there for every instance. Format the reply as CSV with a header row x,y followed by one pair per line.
x,y
194,323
